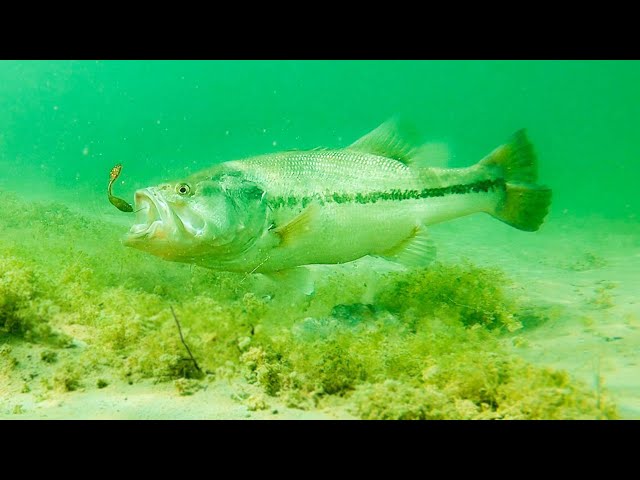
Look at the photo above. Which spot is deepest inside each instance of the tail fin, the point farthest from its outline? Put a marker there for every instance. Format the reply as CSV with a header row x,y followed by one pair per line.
x,y
525,204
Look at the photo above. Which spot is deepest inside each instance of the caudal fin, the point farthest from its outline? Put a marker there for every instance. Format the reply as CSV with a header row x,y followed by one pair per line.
x,y
525,204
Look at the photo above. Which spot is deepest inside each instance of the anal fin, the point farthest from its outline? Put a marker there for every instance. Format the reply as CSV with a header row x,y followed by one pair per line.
x,y
297,279
417,250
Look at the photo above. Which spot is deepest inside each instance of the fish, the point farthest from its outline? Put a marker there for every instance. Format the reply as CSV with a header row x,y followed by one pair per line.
x,y
278,213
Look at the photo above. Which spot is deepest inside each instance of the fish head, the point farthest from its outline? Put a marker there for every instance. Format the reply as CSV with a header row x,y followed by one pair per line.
x,y
189,219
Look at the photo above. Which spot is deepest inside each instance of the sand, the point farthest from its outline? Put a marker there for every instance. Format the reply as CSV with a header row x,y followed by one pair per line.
x,y
148,401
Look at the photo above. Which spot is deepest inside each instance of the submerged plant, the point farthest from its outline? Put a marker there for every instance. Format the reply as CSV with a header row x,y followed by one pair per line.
x,y
473,295
430,348
426,346
23,312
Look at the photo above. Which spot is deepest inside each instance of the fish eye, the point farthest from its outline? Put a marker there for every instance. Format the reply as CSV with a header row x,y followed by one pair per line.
x,y
183,188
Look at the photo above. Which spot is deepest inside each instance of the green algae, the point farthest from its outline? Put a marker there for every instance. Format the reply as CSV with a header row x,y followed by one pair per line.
x,y
79,311
186,386
474,296
424,368
24,309
68,378
509,390
102,383
16,291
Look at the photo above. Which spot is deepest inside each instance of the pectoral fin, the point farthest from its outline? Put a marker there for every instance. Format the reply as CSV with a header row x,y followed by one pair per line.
x,y
297,226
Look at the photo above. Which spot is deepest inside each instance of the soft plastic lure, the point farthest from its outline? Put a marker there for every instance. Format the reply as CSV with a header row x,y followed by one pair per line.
x,y
119,203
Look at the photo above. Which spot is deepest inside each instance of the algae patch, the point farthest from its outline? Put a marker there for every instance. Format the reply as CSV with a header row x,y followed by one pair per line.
x,y
428,345
391,366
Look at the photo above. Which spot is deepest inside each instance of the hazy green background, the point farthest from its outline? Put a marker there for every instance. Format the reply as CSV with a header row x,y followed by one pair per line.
x,y
68,122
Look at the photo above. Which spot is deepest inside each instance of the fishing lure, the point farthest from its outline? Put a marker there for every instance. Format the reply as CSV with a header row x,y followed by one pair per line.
x,y
119,203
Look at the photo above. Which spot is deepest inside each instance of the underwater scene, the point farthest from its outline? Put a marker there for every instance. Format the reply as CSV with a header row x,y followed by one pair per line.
x,y
377,240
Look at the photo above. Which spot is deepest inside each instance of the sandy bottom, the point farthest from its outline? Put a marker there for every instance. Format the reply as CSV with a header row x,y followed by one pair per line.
x,y
148,401
584,275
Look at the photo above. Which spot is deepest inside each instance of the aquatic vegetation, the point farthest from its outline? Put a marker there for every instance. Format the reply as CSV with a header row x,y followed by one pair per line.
x,y
394,400
49,356
603,297
8,360
534,316
16,289
23,313
68,378
186,387
428,345
392,368
256,402
511,390
474,296
582,262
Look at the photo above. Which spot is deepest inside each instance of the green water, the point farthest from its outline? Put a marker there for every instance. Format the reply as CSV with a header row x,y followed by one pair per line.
x,y
506,324
70,121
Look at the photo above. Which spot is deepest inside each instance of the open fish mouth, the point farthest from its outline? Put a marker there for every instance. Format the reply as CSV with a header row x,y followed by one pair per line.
x,y
158,220
152,212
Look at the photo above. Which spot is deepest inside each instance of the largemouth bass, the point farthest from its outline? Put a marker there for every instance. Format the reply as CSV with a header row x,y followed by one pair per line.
x,y
275,212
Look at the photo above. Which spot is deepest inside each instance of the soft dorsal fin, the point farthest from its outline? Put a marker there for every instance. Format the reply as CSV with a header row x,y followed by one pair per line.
x,y
399,139
433,154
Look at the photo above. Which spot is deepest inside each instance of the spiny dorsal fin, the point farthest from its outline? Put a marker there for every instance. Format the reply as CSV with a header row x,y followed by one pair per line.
x,y
399,139
314,149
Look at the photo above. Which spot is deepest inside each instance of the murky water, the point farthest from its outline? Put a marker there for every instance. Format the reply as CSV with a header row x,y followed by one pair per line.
x,y
549,314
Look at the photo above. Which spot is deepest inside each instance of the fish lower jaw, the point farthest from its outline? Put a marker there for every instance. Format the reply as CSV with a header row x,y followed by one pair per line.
x,y
142,230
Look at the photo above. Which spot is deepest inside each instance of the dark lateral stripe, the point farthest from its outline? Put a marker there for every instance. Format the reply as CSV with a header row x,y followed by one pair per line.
x,y
373,197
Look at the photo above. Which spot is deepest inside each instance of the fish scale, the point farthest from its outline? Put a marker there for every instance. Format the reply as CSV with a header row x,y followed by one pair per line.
x,y
322,171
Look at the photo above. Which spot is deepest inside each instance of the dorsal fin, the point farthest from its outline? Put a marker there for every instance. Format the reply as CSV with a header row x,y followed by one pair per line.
x,y
399,139
393,139
432,154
